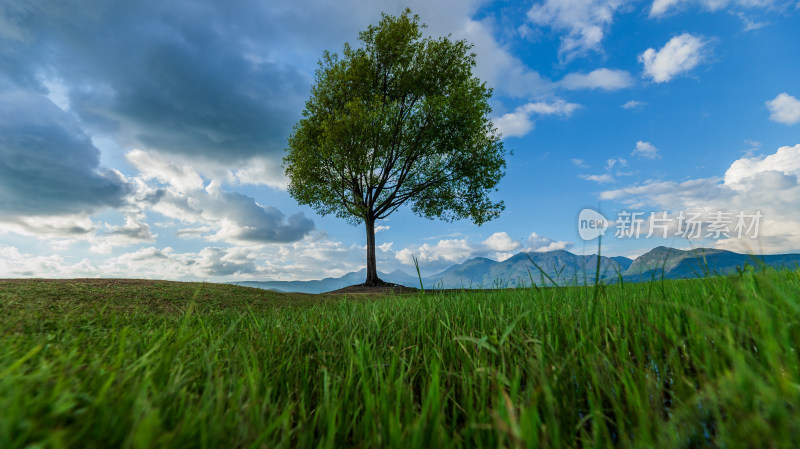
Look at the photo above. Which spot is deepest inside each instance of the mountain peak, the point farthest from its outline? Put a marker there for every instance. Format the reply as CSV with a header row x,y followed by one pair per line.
x,y
661,250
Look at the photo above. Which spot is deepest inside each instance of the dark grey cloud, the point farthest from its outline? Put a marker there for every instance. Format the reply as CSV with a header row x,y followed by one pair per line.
x,y
50,228
48,166
265,224
132,230
272,229
179,77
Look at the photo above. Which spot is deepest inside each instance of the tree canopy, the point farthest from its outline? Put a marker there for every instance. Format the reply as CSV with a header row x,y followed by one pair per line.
x,y
399,120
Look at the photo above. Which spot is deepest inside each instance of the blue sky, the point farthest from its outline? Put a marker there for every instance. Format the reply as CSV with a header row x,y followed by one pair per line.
x,y
144,139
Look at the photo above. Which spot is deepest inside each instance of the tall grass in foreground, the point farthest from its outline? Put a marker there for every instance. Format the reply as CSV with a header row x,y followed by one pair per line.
x,y
700,363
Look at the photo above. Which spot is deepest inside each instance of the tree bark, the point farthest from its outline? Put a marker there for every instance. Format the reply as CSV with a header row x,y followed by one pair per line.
x,y
372,271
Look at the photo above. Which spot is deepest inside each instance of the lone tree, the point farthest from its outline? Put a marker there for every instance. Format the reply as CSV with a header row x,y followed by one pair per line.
x,y
400,120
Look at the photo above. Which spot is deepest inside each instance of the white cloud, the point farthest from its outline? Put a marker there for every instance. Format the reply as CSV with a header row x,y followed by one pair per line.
x,y
784,109
186,173
502,242
381,228
152,165
155,263
184,195
226,262
618,162
665,193
240,219
499,246
769,184
520,122
134,231
785,161
604,178
70,227
260,171
316,256
514,124
585,22
749,23
645,150
197,232
557,107
608,177
15,264
605,79
633,104
579,163
313,257
540,244
63,231
680,55
662,7
448,250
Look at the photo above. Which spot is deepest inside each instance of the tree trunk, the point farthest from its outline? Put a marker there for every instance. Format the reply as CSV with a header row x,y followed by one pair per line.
x,y
372,271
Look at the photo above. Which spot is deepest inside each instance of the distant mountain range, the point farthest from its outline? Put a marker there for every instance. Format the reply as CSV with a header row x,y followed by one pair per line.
x,y
555,267
560,267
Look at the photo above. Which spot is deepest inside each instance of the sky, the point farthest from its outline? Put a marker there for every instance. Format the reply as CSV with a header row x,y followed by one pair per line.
x,y
144,139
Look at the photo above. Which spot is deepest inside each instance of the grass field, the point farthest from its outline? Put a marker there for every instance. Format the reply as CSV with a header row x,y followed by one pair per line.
x,y
103,363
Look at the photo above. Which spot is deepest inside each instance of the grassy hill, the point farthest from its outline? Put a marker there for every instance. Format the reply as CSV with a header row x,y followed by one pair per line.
x,y
675,363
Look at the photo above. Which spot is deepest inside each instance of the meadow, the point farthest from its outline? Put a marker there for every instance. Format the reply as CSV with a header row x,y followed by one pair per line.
x,y
113,363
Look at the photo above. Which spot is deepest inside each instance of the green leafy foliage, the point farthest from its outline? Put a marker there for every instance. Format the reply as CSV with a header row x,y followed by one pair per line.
x,y
399,120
